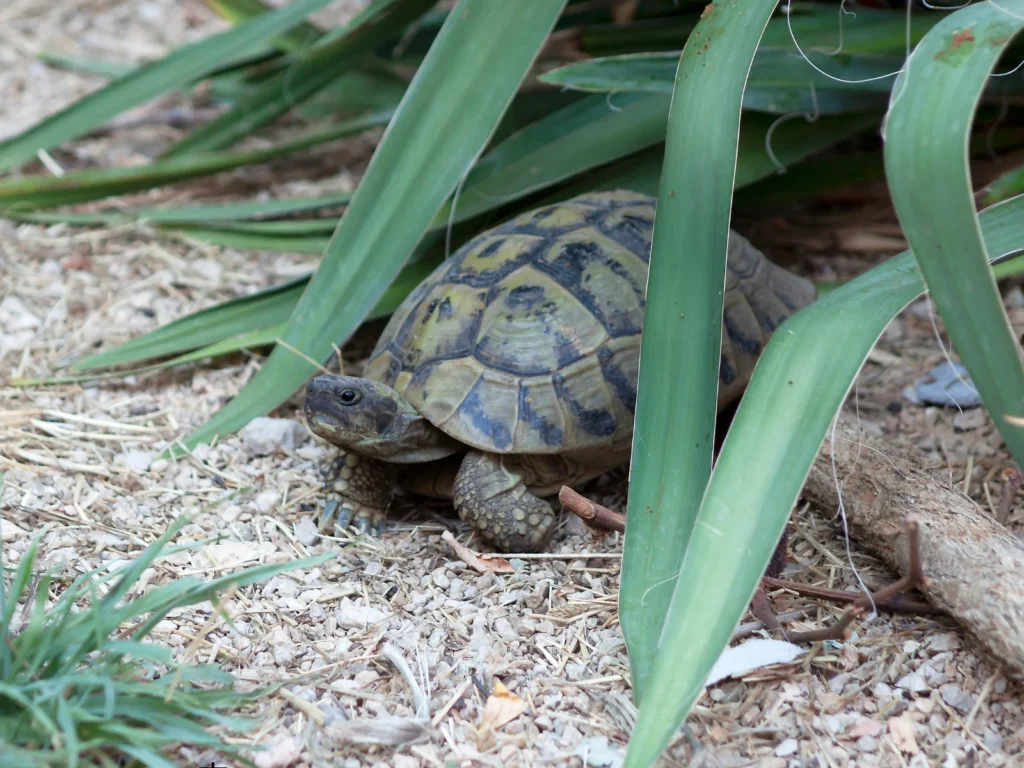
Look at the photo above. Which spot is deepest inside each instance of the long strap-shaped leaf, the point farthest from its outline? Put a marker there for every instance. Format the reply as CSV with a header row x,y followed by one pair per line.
x,y
321,66
149,81
926,163
442,124
805,372
677,390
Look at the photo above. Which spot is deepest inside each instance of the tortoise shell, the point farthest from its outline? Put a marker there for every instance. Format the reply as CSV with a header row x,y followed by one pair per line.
x,y
527,340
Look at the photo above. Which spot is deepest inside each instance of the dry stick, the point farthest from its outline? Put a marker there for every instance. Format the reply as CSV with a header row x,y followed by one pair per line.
x,y
911,580
593,513
973,566
1013,478
603,518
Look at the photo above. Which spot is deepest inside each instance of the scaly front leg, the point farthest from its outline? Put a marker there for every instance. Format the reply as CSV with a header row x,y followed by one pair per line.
x,y
357,492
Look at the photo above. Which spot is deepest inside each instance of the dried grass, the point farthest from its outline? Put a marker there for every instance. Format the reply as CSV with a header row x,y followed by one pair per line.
x,y
400,633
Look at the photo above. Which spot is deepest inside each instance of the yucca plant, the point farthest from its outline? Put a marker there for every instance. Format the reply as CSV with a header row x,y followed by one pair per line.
x,y
83,684
690,101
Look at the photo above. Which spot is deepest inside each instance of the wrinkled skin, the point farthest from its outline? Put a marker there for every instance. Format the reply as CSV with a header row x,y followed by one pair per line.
x,y
376,430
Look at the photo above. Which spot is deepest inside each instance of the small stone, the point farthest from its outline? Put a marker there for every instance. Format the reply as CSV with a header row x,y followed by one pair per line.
x,y
946,385
15,316
913,682
867,744
351,615
306,531
992,740
947,641
332,714
267,500
1014,298
787,748
1000,686
504,629
365,678
837,683
957,698
263,436
135,459
440,579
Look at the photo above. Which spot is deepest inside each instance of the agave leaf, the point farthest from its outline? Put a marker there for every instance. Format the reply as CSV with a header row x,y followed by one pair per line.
x,y
927,169
145,83
186,214
82,186
583,135
300,36
677,389
443,123
805,372
292,86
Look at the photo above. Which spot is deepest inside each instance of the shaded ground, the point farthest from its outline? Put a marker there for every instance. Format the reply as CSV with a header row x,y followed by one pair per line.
x,y
78,461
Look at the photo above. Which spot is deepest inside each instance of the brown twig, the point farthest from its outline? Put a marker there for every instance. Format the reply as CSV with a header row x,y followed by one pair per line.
x,y
1013,478
592,513
897,604
603,518
913,578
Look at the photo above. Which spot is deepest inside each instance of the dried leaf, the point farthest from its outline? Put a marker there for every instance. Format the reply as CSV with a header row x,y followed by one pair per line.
x,y
502,707
902,730
865,727
472,559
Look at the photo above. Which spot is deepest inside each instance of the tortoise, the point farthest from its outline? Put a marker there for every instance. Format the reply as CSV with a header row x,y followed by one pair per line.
x,y
512,369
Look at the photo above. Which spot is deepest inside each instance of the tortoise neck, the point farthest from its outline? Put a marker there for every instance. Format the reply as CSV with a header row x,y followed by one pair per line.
x,y
417,440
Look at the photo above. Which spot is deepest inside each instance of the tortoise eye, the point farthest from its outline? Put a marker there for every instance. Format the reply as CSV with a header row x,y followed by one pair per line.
x,y
349,397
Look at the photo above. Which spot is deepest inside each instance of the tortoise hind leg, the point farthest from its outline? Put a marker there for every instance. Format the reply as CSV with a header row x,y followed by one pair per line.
x,y
357,492
490,495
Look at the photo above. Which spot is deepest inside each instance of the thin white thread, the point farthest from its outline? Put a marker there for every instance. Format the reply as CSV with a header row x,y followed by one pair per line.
x,y
1004,74
810,118
931,7
608,102
792,35
842,12
842,514
673,577
1011,14
880,453
946,354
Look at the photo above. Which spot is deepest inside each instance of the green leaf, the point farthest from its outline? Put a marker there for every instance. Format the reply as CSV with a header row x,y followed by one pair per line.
x,y
581,136
677,388
781,79
805,372
147,82
293,40
443,123
926,162
186,214
82,186
292,86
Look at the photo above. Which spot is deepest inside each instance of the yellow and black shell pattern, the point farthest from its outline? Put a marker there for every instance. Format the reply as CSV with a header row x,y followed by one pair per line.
x,y
527,340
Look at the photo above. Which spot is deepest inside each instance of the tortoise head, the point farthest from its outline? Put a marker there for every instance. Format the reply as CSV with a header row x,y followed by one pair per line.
x,y
372,419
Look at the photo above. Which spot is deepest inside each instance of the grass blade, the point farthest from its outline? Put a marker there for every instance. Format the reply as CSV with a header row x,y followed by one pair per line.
x,y
186,214
443,123
926,163
300,36
679,361
147,82
805,372
583,135
83,186
295,84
